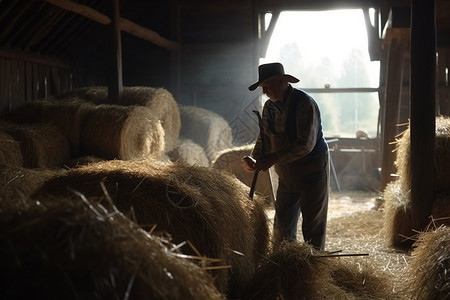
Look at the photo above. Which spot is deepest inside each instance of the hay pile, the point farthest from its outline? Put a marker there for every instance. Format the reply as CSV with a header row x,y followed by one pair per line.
x,y
295,270
430,265
160,101
188,152
17,182
397,206
206,128
67,115
121,132
41,145
201,206
230,160
10,154
74,248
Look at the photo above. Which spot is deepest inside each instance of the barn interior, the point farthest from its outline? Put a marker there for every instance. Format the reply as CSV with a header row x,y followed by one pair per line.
x,y
105,98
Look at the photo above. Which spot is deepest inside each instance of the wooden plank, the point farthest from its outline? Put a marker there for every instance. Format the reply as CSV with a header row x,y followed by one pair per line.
x,y
32,57
423,121
20,99
29,81
3,87
35,91
443,66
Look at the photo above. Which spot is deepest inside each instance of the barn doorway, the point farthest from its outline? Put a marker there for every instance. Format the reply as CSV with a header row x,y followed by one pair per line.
x,y
328,51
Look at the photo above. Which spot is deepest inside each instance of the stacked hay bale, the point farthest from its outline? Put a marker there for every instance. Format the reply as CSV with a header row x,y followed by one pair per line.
x,y
188,152
105,131
67,115
41,145
429,265
230,160
295,270
206,128
201,206
161,103
121,132
75,248
397,193
10,154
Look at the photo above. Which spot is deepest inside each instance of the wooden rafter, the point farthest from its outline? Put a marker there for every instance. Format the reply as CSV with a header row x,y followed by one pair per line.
x,y
125,25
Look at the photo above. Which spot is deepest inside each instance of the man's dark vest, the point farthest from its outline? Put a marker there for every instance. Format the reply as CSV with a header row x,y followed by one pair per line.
x,y
291,122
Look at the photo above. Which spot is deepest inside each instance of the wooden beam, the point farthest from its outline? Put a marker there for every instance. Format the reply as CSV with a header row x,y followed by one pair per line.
x,y
124,24
81,9
396,51
423,119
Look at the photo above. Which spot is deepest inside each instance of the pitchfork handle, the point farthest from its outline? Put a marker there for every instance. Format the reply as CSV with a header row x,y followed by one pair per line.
x,y
255,176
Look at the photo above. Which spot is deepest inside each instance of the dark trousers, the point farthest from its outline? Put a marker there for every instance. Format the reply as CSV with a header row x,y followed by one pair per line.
x,y
309,198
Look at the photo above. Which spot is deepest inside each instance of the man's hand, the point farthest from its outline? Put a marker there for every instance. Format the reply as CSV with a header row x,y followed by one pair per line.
x,y
248,163
265,162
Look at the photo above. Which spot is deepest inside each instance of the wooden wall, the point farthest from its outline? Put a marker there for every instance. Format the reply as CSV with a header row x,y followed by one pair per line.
x,y
217,62
28,77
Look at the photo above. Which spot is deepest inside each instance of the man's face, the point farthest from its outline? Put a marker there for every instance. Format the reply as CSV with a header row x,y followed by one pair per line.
x,y
274,89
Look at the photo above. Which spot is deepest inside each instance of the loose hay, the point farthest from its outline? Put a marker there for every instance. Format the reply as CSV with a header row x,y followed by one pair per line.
x,y
72,248
161,102
10,154
82,161
41,145
296,271
230,161
121,132
206,128
204,206
430,265
189,152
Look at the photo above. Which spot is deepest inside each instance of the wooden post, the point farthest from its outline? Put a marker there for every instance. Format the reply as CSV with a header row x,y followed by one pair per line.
x,y
391,107
115,84
423,120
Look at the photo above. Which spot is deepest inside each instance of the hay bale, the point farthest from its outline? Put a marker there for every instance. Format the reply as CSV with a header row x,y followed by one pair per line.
x,y
10,154
163,106
41,145
121,132
442,156
161,102
230,161
429,265
18,182
75,248
206,128
295,270
205,206
65,114
189,152
397,214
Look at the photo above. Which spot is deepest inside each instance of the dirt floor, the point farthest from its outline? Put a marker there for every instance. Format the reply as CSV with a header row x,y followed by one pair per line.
x,y
355,227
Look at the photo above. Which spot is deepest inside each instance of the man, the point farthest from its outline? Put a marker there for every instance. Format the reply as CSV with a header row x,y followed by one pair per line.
x,y
291,138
